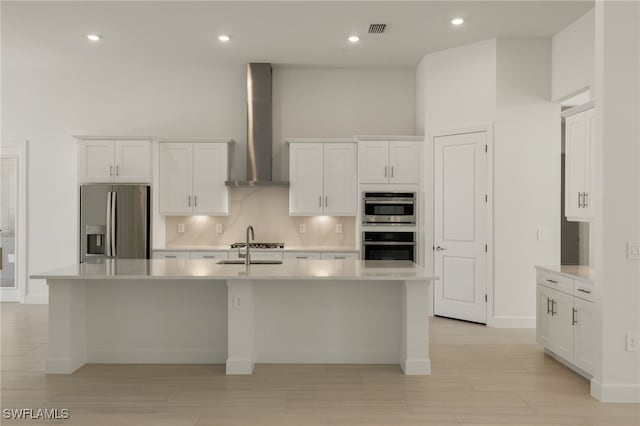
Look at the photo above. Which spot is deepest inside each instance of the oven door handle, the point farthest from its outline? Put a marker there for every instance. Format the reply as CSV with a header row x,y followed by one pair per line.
x,y
387,201
388,243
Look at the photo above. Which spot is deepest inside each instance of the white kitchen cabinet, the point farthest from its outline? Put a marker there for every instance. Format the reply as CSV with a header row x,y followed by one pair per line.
x,y
301,255
339,255
579,133
171,255
192,178
114,161
565,323
389,162
323,179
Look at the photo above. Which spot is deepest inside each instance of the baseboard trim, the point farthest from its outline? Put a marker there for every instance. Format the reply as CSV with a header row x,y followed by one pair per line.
x,y
63,365
513,322
297,356
567,364
416,367
239,366
37,299
615,392
156,356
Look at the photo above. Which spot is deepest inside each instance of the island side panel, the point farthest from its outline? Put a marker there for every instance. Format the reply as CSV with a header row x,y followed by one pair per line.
x,y
241,356
415,328
67,345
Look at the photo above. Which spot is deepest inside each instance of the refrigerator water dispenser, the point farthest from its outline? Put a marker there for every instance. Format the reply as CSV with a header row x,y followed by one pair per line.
x,y
95,239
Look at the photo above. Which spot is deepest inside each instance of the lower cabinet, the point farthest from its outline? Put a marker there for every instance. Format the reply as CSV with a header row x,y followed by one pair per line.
x,y
565,326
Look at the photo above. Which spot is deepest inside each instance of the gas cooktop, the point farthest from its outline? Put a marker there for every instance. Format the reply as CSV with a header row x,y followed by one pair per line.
x,y
259,245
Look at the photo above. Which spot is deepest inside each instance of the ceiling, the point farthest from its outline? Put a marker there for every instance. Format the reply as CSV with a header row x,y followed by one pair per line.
x,y
174,33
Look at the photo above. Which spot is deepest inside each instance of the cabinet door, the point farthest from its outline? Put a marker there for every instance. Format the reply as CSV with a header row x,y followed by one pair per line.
x,y
544,323
96,161
583,335
306,194
563,325
340,179
176,178
575,160
210,194
403,162
133,161
373,161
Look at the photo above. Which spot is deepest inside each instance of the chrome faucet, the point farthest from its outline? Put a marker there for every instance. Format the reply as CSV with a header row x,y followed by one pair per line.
x,y
247,255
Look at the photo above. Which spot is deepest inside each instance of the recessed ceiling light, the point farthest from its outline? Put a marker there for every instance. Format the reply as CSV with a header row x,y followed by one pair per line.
x,y
224,38
94,37
457,21
354,39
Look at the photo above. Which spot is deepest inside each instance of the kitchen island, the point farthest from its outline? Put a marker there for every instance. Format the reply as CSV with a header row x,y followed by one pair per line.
x,y
199,311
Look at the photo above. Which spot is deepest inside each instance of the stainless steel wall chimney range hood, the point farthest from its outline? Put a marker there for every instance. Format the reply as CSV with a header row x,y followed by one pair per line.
x,y
259,129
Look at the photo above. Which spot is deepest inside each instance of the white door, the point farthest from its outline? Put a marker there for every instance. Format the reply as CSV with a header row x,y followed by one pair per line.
x,y
340,179
403,162
373,161
544,320
562,312
9,291
585,323
133,161
96,161
306,194
176,178
210,194
460,226
575,138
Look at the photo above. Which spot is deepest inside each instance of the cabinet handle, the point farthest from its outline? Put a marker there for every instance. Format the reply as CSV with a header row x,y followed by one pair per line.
x,y
553,308
171,257
326,201
582,290
118,170
208,257
340,257
391,171
302,257
553,281
195,201
385,171
579,200
548,308
574,316
189,201
110,170
320,201
585,200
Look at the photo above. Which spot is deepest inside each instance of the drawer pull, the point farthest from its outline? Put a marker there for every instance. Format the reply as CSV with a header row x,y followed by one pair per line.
x,y
553,308
171,257
548,308
584,291
302,257
553,281
340,257
574,319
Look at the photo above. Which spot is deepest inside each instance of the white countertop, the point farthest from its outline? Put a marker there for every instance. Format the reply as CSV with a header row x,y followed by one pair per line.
x,y
342,249
207,269
581,272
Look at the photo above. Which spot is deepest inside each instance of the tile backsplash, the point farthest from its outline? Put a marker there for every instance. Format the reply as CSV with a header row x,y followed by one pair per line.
x,y
267,209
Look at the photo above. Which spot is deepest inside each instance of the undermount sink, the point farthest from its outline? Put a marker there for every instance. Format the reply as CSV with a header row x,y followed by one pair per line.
x,y
253,262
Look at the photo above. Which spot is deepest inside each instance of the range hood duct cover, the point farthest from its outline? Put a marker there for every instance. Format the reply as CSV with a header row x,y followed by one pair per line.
x,y
259,128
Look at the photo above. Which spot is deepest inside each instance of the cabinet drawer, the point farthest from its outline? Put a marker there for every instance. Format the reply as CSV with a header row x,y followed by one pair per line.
x,y
301,255
257,255
340,255
584,290
557,282
171,255
222,254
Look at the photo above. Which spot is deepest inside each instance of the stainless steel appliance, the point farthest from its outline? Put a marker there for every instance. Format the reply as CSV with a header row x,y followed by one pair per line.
x,y
388,208
114,222
389,245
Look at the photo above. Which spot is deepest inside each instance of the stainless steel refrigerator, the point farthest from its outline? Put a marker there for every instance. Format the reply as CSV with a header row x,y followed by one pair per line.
x,y
114,222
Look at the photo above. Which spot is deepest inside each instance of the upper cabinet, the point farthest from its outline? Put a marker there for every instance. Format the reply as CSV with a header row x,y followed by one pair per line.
x,y
388,161
192,178
114,161
579,134
323,178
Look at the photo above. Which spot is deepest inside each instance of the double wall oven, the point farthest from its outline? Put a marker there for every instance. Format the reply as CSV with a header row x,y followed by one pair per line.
x,y
389,226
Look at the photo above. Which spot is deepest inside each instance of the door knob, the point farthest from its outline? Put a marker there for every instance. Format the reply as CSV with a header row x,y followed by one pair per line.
x,y
440,248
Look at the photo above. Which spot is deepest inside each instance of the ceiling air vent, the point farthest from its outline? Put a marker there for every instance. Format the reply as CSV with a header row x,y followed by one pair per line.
x,y
377,28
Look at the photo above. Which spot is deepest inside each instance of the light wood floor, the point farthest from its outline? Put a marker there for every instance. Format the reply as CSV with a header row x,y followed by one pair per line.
x,y
481,376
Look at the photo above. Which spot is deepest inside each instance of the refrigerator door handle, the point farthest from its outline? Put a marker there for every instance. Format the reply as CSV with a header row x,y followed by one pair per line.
x,y
114,223
108,232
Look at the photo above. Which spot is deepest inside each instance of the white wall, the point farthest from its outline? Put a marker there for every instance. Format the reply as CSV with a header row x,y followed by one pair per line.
x,y
507,83
617,198
47,106
527,159
573,61
340,102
